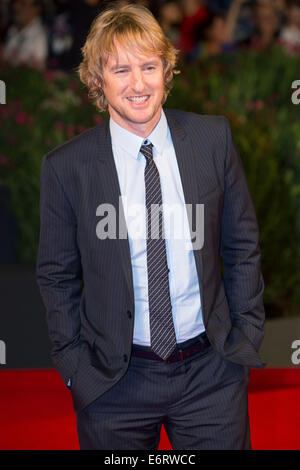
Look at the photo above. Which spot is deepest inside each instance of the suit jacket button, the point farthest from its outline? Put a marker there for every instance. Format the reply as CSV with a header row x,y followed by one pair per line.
x,y
125,357
129,314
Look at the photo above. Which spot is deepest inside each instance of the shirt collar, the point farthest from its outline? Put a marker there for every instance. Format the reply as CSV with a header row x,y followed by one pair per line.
x,y
131,143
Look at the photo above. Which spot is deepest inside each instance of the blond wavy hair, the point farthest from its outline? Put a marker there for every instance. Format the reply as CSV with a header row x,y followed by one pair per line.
x,y
134,28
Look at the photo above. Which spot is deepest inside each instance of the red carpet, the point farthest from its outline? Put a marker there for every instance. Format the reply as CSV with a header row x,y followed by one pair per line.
x,y
36,410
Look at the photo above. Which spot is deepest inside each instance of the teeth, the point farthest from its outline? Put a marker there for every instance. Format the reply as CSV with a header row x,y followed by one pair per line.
x,y
138,99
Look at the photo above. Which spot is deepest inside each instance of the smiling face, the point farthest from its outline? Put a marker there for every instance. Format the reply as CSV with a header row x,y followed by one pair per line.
x,y
133,85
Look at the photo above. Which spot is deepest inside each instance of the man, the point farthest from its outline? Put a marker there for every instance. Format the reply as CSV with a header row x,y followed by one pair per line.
x,y
145,329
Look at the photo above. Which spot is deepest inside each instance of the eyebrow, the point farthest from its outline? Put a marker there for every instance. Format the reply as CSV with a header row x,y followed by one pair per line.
x,y
124,66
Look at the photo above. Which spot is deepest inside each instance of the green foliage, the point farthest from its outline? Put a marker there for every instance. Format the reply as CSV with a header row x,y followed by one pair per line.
x,y
253,90
42,112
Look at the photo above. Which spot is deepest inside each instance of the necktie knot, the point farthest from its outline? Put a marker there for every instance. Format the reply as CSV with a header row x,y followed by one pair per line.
x,y
146,150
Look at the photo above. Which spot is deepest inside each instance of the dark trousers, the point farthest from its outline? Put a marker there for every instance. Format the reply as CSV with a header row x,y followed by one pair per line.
x,y
202,402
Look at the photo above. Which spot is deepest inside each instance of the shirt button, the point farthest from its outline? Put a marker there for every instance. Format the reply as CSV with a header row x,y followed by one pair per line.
x,y
125,357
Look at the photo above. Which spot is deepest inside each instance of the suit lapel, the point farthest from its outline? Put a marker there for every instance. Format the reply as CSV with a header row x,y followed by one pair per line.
x,y
108,176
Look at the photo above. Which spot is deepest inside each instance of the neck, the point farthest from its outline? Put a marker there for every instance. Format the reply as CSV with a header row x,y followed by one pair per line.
x,y
142,129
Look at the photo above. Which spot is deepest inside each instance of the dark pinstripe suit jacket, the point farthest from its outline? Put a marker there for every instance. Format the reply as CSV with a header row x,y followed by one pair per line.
x,y
91,325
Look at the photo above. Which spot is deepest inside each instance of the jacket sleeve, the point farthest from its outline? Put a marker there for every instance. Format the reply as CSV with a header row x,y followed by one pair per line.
x,y
240,250
59,272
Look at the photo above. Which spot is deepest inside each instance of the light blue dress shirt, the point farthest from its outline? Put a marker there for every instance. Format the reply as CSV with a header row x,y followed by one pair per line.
x,y
184,286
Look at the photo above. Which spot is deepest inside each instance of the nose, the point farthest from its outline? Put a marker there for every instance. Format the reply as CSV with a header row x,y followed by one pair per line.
x,y
137,81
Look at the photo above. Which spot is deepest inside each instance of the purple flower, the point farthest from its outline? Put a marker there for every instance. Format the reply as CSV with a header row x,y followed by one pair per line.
x,y
70,130
259,105
80,128
97,119
4,160
20,118
4,111
59,126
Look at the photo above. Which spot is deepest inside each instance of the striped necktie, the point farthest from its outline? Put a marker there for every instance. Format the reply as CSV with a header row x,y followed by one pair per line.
x,y
162,331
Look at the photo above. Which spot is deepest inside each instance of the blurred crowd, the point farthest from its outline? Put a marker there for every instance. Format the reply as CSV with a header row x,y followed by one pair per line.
x,y
50,33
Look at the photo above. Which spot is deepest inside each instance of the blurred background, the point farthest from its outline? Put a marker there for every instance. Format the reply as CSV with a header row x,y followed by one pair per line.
x,y
237,58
